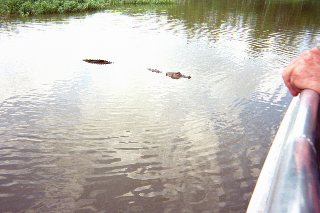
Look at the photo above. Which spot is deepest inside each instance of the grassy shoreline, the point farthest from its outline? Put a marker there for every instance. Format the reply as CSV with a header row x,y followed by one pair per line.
x,y
37,7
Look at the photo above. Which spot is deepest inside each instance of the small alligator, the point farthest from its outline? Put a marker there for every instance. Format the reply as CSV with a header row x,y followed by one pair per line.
x,y
154,70
97,61
173,75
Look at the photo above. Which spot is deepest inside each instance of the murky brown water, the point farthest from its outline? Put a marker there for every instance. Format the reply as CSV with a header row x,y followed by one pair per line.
x,y
77,137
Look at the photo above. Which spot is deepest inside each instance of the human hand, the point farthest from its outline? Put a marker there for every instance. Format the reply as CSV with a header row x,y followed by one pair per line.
x,y
303,72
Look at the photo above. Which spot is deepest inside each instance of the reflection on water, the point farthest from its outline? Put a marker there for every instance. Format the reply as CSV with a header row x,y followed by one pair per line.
x,y
77,137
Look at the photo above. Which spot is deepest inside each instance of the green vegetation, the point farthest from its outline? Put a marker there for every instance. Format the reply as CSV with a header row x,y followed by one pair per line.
x,y
36,7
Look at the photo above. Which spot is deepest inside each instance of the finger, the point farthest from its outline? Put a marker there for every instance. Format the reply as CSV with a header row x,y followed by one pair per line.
x,y
295,90
286,75
288,80
291,88
315,50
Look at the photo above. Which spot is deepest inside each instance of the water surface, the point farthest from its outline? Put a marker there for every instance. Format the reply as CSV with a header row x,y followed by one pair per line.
x,y
77,137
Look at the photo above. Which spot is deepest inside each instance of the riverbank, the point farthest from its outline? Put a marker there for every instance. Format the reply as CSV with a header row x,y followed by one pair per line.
x,y
37,7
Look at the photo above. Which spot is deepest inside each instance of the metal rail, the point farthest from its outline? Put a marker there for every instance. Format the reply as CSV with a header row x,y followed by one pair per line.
x,y
289,179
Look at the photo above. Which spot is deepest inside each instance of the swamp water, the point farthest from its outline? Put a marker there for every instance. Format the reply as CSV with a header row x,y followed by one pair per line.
x,y
78,137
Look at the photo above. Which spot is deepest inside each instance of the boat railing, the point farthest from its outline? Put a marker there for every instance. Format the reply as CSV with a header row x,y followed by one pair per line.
x,y
289,179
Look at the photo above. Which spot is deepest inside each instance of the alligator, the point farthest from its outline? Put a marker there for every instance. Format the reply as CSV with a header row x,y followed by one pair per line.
x,y
154,70
173,75
97,61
